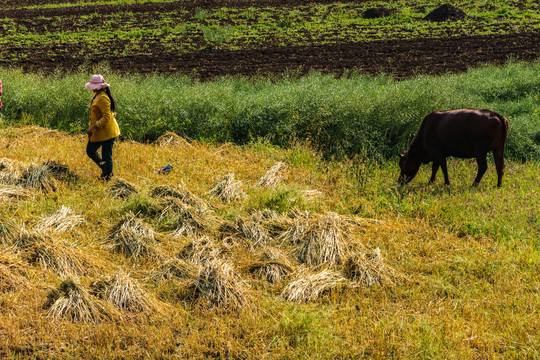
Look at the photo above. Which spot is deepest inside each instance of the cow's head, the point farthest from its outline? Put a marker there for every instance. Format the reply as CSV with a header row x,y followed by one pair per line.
x,y
409,166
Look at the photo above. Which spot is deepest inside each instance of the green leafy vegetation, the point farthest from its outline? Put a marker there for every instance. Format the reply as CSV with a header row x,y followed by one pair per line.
x,y
353,115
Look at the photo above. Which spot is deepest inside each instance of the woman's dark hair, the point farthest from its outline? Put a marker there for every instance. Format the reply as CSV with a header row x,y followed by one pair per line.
x,y
108,92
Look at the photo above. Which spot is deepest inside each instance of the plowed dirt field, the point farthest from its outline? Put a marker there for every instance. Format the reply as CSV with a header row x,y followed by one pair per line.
x,y
399,57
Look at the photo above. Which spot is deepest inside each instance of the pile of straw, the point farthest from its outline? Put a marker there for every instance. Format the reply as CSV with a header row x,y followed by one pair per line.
x,y
122,189
43,176
218,285
11,171
201,250
20,239
189,220
273,265
53,254
125,293
173,269
323,242
63,220
180,192
228,190
73,302
13,192
369,269
131,237
171,139
273,177
295,228
254,231
309,287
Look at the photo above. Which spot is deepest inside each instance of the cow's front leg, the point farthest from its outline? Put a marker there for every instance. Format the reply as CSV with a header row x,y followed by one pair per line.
x,y
444,170
434,169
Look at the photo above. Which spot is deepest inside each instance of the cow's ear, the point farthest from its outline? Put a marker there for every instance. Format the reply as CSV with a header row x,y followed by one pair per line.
x,y
402,155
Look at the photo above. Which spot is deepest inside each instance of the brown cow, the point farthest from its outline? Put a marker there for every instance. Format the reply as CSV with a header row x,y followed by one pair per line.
x,y
464,133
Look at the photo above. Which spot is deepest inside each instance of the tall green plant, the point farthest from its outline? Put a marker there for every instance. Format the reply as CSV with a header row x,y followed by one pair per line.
x,y
356,114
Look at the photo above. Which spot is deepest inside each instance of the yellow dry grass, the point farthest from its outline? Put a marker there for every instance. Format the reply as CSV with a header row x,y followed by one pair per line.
x,y
467,292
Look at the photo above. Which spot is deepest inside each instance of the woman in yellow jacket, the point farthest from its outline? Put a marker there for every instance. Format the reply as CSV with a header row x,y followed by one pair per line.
x,y
103,129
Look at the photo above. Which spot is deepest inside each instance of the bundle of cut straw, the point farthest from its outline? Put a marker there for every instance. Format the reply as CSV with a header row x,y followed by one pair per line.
x,y
126,294
273,265
122,189
173,269
369,269
201,250
63,220
228,189
131,237
73,302
218,285
309,287
273,177
324,242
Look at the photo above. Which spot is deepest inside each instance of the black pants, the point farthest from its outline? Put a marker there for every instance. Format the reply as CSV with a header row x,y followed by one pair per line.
x,y
105,160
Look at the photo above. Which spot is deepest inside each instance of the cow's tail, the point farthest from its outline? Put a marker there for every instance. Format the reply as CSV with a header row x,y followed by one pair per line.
x,y
504,123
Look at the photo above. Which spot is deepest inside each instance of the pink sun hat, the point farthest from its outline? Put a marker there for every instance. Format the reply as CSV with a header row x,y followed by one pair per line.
x,y
96,82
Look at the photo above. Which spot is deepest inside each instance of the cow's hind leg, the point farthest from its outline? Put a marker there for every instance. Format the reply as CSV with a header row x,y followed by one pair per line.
x,y
498,156
482,166
434,169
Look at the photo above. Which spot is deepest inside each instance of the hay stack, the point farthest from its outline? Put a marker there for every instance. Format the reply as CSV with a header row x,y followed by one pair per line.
x,y
273,265
13,192
172,139
63,220
369,269
122,189
253,230
21,239
43,176
125,293
309,287
322,241
180,192
11,171
228,190
73,302
201,250
173,269
273,177
131,237
218,285
188,220
53,254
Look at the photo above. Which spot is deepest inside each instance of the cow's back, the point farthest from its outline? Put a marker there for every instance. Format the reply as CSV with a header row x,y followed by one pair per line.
x,y
459,132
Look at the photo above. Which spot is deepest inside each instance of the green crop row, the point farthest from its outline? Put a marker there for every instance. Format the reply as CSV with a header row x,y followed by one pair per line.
x,y
374,117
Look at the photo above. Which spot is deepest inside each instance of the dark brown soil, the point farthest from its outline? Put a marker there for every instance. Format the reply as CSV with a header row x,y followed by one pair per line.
x,y
401,58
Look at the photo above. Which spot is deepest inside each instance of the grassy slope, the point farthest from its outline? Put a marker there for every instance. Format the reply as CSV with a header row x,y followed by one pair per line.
x,y
470,256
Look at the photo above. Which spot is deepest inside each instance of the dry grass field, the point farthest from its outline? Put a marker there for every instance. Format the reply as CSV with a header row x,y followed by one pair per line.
x,y
257,252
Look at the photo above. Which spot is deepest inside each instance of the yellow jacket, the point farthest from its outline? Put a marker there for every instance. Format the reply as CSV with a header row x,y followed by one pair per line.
x,y
104,119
